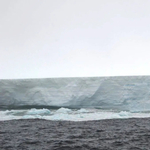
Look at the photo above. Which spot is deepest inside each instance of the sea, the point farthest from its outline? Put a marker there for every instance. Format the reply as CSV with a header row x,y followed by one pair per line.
x,y
76,98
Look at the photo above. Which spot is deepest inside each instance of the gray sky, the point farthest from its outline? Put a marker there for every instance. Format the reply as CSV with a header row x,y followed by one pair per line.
x,y
74,38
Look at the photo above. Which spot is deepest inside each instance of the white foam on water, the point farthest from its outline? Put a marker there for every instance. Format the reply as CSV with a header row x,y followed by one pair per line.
x,y
63,110
34,111
82,110
68,114
7,115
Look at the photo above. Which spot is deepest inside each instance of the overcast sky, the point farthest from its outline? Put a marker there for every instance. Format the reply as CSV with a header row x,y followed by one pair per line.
x,y
74,38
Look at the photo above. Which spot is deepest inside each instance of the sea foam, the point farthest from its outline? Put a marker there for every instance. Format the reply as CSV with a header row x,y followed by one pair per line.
x,y
69,114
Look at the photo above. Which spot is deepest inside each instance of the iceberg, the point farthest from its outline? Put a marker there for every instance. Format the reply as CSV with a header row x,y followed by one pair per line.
x,y
128,93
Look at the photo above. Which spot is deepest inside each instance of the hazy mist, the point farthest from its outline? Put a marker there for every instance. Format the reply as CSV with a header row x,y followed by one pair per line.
x,y
74,38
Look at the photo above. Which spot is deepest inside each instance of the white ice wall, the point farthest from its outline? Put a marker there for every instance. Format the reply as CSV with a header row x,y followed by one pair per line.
x,y
127,93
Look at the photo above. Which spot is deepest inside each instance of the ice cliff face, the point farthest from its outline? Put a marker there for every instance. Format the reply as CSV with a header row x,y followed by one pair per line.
x,y
124,93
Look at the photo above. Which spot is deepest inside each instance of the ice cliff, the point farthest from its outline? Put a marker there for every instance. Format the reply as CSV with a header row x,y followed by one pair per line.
x,y
123,93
